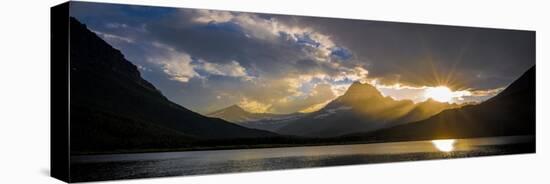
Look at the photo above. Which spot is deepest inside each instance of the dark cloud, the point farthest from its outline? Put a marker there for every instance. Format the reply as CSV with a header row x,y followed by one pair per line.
x,y
224,42
420,53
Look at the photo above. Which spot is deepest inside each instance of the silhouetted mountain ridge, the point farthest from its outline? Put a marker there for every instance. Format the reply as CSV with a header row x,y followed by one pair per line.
x,y
112,107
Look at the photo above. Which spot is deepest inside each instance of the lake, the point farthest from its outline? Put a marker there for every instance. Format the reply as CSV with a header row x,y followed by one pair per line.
x,y
138,165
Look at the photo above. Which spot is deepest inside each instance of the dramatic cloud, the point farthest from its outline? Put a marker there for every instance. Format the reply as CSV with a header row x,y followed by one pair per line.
x,y
207,60
428,55
181,67
233,69
254,106
177,66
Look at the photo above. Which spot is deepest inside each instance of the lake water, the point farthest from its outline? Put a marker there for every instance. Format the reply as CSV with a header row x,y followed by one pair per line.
x,y
138,165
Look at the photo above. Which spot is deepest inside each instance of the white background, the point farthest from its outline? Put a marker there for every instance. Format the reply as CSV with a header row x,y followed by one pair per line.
x,y
24,91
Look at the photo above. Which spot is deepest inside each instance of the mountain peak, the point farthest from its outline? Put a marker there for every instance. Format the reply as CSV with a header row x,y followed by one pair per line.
x,y
233,109
237,114
358,84
431,101
362,90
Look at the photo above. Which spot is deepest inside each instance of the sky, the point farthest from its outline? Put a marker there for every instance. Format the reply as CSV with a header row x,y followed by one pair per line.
x,y
206,60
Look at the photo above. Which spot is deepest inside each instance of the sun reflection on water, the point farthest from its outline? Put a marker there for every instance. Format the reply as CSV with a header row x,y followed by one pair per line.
x,y
444,145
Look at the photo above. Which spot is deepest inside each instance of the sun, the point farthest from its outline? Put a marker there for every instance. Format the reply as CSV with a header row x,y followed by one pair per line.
x,y
444,145
439,93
